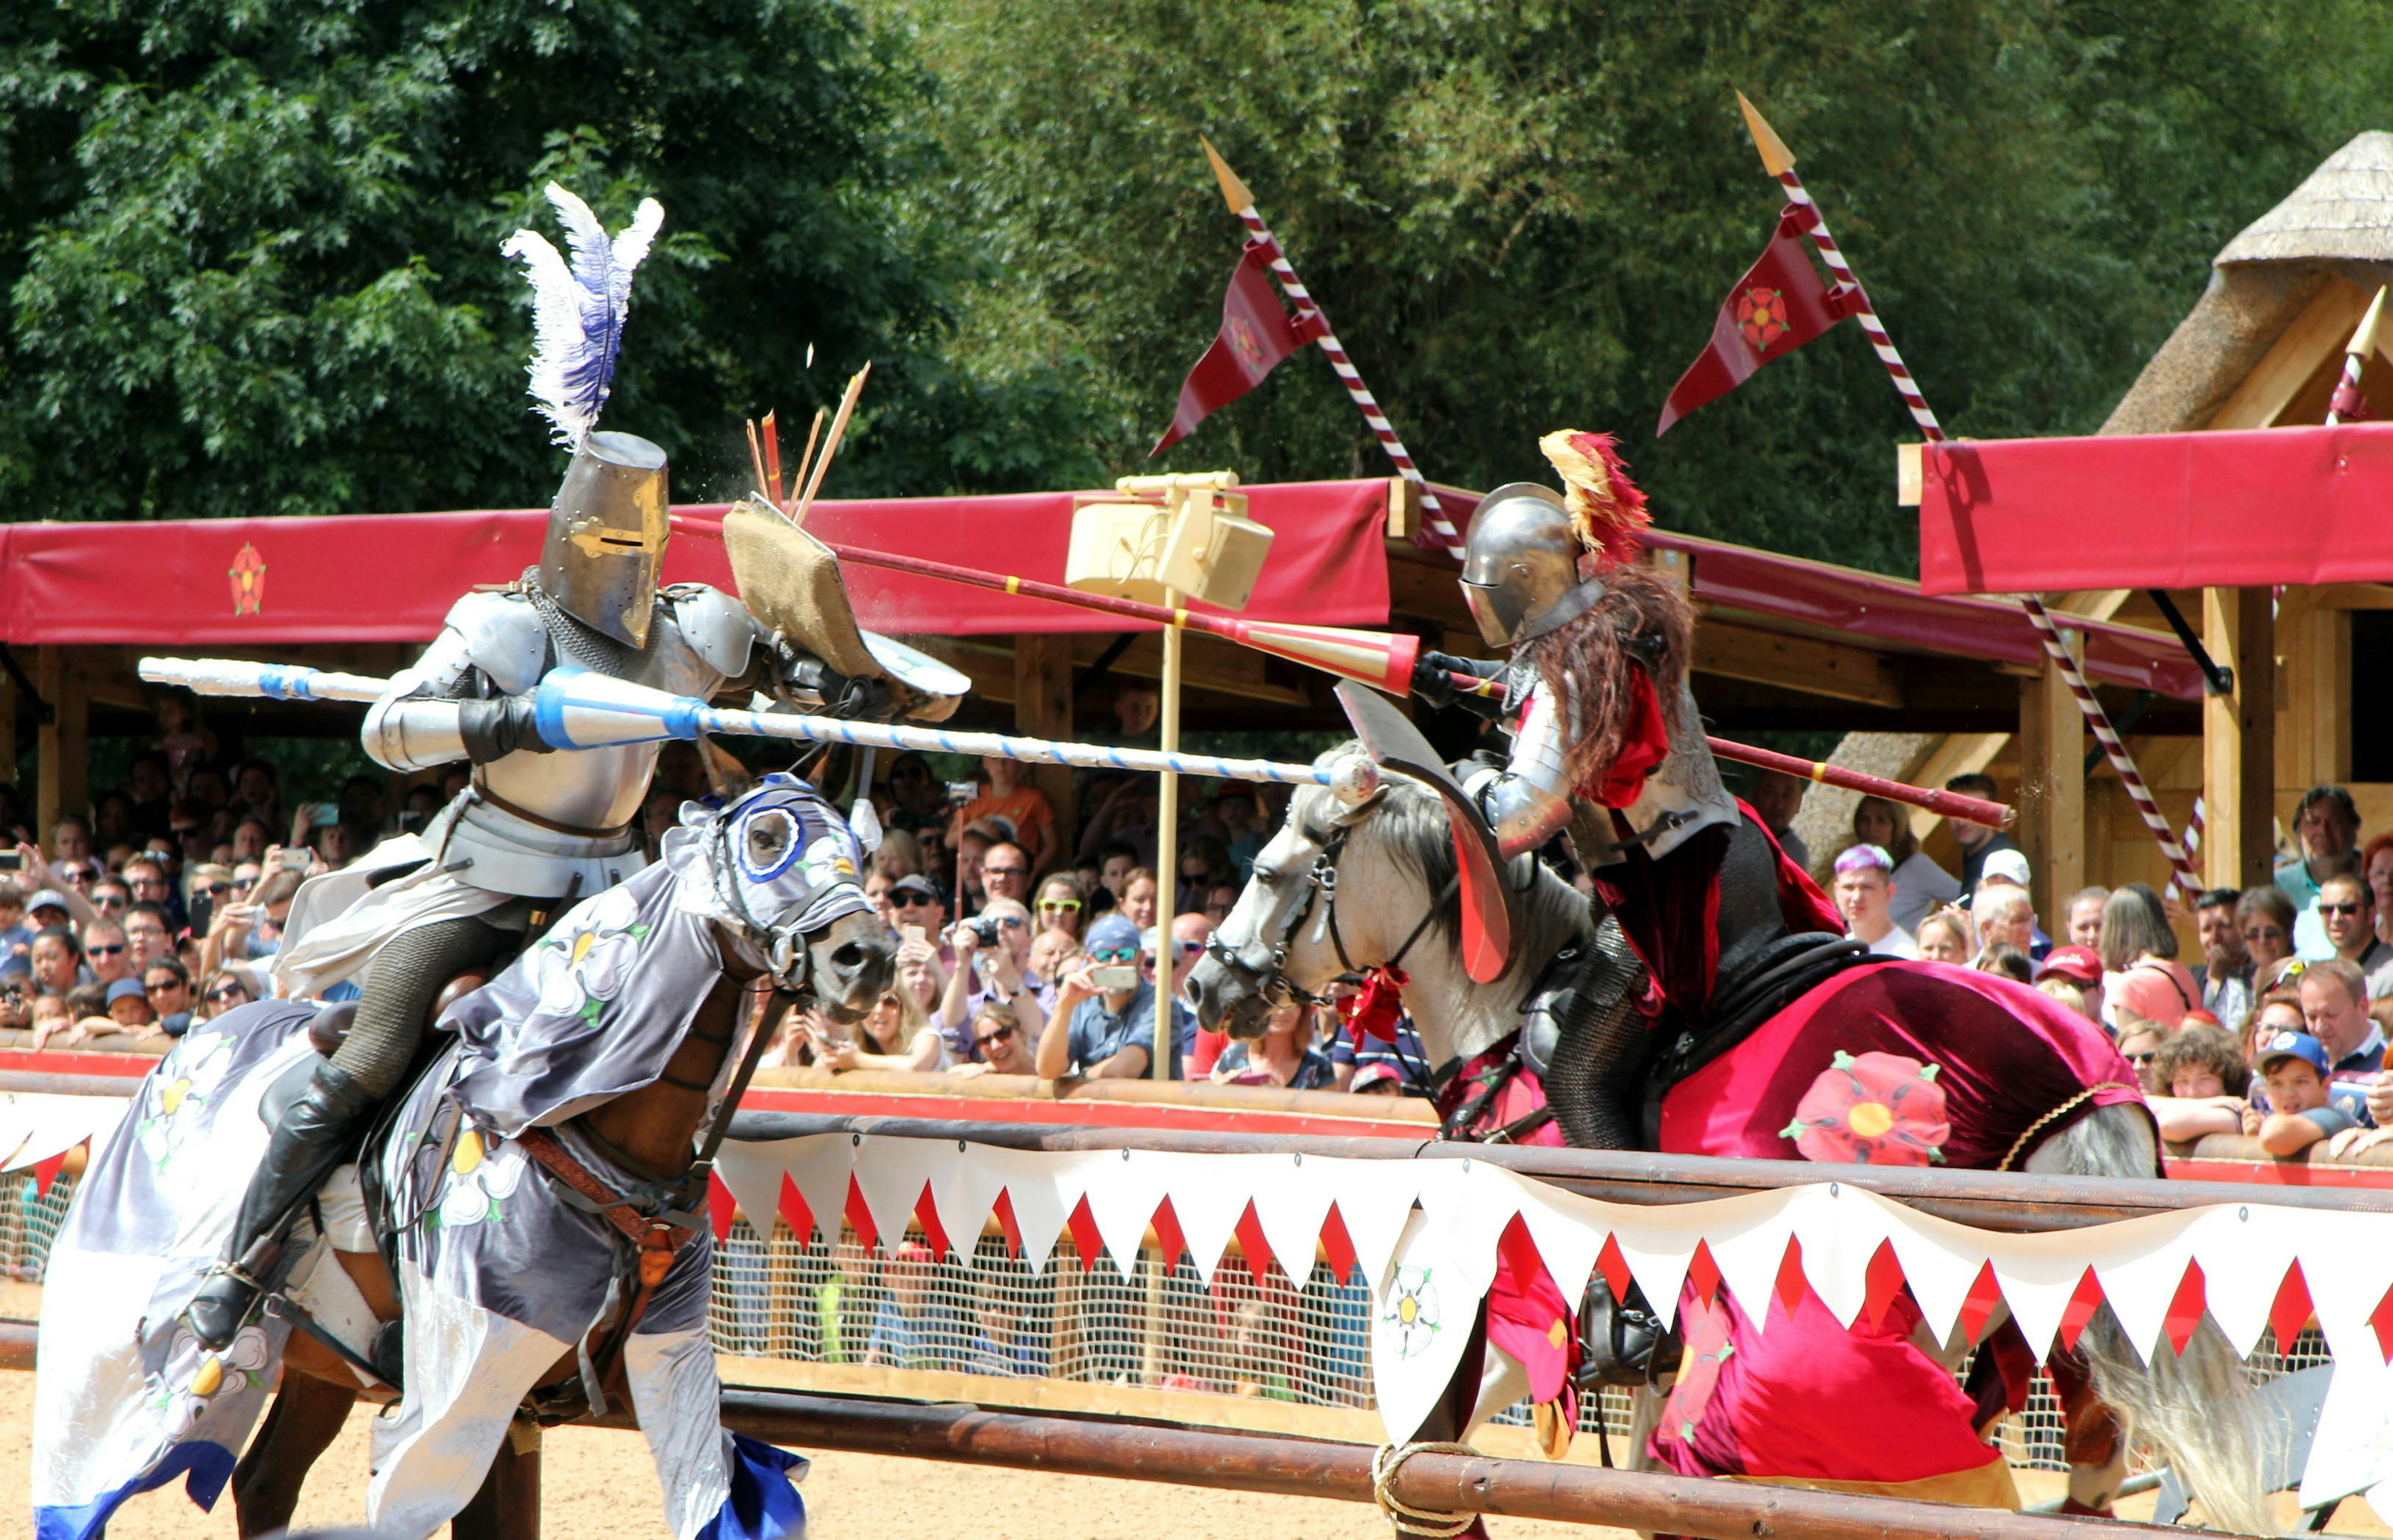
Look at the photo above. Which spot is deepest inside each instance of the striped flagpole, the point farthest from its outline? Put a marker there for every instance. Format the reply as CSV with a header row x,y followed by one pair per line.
x,y
2347,399
1781,165
1439,530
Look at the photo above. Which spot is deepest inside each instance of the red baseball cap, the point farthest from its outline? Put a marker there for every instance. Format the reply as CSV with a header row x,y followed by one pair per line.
x,y
2077,964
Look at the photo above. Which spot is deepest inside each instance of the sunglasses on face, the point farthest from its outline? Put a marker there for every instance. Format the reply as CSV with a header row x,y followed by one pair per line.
x,y
2141,1060
912,901
163,987
1004,871
1010,921
1059,905
105,951
1113,954
108,901
213,889
2339,909
226,994
984,1039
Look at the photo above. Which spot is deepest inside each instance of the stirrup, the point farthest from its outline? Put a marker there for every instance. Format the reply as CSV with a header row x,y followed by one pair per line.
x,y
223,1285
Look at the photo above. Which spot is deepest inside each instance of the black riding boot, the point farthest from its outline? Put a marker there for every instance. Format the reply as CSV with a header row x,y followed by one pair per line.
x,y
318,1133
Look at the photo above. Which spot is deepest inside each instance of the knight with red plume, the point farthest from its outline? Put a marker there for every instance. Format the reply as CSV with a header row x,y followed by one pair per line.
x,y
1608,748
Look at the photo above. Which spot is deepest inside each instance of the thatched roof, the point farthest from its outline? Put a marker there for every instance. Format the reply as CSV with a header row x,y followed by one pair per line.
x,y
2337,224
2343,213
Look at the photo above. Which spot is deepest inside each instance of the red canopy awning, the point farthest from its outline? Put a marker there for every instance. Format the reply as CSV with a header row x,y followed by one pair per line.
x,y
2169,510
390,578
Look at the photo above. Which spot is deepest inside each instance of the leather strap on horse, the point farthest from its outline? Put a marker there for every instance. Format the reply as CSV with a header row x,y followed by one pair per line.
x,y
654,1240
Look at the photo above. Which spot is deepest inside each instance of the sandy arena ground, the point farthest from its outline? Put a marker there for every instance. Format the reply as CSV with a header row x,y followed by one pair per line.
x,y
598,1485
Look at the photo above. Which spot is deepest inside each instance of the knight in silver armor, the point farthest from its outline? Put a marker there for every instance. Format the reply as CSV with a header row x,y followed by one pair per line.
x,y
536,828
1528,573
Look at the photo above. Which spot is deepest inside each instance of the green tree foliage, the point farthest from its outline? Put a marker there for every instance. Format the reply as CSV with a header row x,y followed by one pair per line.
x,y
251,249
1521,215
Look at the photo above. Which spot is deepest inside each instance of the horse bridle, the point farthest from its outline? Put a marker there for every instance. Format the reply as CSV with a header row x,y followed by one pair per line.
x,y
1272,983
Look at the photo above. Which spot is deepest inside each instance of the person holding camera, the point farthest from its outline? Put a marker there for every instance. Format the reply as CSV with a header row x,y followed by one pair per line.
x,y
1102,1026
992,964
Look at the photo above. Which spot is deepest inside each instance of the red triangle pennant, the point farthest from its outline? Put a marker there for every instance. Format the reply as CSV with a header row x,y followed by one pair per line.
x,y
720,1208
1704,1274
1341,1247
794,1212
1002,1211
859,1217
1256,1249
1791,1285
2381,1318
1885,1281
1614,1268
1083,1226
1168,1234
1985,1293
2185,1311
926,1214
46,1171
2082,1306
2291,1310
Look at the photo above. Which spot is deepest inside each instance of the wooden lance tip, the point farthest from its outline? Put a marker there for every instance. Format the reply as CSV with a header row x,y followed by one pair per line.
x,y
1777,158
2363,342
1234,191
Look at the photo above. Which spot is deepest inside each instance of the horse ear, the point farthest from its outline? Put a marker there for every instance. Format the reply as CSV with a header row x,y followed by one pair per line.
x,y
725,776
1396,744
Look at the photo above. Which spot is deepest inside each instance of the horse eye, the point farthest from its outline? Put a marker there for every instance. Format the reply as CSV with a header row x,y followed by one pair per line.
x,y
766,840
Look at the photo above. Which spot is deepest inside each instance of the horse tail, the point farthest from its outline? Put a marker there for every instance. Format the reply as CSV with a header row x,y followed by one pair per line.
x,y
2196,1410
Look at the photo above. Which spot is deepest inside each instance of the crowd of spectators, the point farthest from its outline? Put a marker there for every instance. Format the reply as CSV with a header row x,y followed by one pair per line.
x,y
1024,952
2278,1030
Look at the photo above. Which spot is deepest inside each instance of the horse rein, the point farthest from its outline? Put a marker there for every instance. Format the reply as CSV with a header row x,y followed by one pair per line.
x,y
1273,985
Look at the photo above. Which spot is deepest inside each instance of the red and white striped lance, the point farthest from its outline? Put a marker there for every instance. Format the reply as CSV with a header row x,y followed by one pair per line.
x,y
1439,530
1781,165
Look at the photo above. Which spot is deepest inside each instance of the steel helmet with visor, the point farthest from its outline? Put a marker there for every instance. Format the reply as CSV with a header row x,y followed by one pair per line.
x,y
1520,571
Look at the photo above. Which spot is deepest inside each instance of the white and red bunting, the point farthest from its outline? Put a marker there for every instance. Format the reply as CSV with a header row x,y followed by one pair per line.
x,y
38,1128
2235,1262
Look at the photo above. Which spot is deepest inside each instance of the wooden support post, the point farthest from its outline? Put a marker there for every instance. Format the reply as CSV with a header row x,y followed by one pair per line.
x,y
2239,740
1042,707
61,748
2052,789
9,703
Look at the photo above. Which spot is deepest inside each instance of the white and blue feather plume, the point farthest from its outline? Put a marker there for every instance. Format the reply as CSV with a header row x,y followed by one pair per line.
x,y
578,312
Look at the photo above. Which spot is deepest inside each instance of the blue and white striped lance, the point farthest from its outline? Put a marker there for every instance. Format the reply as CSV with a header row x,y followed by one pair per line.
x,y
576,708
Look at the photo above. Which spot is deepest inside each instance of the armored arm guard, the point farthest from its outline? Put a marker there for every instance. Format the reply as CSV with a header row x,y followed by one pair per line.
x,y
443,710
1528,802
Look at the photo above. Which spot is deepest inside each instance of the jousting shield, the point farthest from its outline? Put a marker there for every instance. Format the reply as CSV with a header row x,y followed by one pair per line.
x,y
1396,744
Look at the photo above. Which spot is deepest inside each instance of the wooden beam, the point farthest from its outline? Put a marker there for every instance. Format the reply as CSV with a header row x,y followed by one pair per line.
x,y
2052,789
1403,508
8,705
2318,333
2352,596
1833,669
1042,707
62,746
2238,741
2313,703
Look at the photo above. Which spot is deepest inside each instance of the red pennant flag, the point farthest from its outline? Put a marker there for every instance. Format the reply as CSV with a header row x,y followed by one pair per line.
x,y
1256,334
1778,306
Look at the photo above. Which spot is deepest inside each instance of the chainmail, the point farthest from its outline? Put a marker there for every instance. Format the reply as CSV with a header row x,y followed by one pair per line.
x,y
1597,1076
584,646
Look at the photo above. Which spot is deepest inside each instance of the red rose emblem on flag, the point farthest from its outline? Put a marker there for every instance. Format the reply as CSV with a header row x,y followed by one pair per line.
x,y
1708,1352
1880,1109
248,576
1244,343
1761,315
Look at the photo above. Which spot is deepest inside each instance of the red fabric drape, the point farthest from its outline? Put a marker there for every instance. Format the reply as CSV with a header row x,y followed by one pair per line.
x,y
390,578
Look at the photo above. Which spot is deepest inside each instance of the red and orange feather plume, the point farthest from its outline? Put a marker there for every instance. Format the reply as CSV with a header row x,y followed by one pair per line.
x,y
1605,506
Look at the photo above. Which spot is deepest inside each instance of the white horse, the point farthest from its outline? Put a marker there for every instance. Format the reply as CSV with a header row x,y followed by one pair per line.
x,y
1289,932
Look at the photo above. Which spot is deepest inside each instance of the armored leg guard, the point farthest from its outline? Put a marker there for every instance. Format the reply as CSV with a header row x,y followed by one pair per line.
x,y
317,1133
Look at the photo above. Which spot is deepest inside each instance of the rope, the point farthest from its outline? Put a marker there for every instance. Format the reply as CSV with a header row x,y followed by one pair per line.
x,y
1440,529
2180,865
1403,1518
2061,1111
